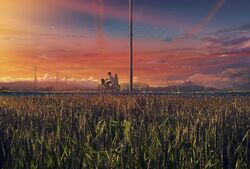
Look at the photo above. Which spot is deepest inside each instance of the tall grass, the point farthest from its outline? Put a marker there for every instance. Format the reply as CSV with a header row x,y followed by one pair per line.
x,y
124,132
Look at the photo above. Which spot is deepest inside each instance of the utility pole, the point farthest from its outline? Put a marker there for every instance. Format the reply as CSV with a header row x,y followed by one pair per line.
x,y
35,78
66,82
130,46
57,79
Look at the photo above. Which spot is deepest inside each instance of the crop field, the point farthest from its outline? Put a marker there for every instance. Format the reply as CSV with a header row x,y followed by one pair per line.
x,y
108,131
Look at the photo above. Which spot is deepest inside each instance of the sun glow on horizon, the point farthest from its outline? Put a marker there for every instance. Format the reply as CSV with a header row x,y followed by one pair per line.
x,y
89,38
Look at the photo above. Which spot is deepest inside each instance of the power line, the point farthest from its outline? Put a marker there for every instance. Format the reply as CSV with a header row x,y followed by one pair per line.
x,y
35,69
39,69
19,65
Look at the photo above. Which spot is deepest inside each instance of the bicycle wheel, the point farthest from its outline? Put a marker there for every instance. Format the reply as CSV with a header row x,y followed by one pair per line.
x,y
101,88
117,88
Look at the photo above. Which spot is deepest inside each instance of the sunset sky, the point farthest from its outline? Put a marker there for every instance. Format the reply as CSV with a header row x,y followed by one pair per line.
x,y
204,41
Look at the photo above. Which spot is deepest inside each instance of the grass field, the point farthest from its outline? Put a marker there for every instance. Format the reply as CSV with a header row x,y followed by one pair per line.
x,y
124,132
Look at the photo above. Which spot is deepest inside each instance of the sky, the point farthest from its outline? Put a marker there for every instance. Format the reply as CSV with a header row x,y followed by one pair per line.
x,y
203,41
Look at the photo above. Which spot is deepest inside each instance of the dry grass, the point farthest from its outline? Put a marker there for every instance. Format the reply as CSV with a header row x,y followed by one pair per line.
x,y
124,132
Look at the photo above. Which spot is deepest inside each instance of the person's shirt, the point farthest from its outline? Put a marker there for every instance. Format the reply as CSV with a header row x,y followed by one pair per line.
x,y
116,80
111,78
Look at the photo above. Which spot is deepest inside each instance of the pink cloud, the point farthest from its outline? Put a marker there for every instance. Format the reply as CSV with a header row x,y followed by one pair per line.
x,y
207,19
210,80
229,78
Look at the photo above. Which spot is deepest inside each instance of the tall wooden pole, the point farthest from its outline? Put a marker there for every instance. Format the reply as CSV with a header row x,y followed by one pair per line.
x,y
130,46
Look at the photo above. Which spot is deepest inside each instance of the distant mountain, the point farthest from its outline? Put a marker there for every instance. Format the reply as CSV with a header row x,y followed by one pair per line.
x,y
92,85
137,86
48,85
184,87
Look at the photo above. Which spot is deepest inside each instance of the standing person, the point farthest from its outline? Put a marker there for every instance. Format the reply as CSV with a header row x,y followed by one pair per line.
x,y
116,80
115,85
110,79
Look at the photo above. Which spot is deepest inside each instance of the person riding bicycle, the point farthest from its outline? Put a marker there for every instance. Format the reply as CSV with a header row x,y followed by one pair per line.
x,y
109,84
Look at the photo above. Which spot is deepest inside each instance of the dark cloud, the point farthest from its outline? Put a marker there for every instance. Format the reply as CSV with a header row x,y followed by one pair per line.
x,y
182,49
244,27
230,36
168,39
240,28
227,40
244,51
235,41
153,62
